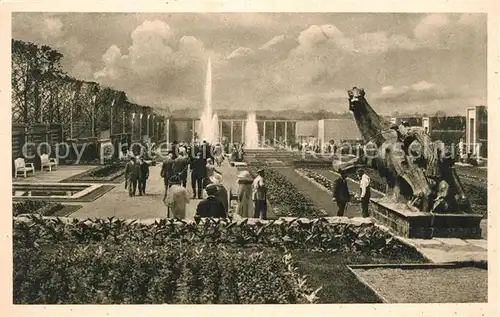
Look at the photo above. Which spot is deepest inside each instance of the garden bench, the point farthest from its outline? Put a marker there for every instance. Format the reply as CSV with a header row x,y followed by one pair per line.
x,y
22,167
48,162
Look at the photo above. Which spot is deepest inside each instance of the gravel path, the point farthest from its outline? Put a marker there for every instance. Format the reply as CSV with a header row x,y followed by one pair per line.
x,y
449,285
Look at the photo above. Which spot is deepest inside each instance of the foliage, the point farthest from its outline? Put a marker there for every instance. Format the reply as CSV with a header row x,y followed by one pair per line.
x,y
42,208
135,274
317,234
285,198
43,93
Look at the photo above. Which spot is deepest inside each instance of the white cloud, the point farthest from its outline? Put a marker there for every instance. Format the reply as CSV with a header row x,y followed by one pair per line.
x,y
420,91
82,70
273,42
51,28
70,47
240,52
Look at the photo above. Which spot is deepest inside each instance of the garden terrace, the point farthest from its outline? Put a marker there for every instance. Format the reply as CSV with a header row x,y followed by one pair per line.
x,y
209,261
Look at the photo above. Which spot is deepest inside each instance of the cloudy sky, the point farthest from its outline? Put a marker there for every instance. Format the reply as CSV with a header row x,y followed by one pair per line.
x,y
406,62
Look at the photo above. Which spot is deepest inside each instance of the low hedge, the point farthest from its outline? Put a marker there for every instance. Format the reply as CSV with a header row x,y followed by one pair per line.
x,y
339,235
172,274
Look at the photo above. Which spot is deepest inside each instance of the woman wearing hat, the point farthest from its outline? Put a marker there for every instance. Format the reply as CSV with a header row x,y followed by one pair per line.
x,y
221,193
177,199
245,203
211,171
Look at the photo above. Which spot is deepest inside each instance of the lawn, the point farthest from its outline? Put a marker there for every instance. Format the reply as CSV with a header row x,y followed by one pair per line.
x,y
340,286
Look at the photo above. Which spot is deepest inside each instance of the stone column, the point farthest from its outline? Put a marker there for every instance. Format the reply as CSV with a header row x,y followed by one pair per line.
x,y
242,131
231,134
274,140
167,133
147,125
264,133
286,131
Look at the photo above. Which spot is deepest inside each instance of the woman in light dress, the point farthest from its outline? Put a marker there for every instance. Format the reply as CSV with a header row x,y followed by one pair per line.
x,y
177,199
218,154
245,202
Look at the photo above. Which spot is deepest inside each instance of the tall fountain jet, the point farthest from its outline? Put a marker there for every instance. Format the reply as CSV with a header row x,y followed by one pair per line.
x,y
209,122
251,132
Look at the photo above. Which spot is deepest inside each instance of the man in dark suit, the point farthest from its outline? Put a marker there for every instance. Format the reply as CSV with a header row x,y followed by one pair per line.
x,y
211,206
340,193
198,168
167,172
132,175
144,176
180,167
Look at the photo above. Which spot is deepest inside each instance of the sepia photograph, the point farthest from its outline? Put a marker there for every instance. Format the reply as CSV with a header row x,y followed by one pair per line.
x,y
249,157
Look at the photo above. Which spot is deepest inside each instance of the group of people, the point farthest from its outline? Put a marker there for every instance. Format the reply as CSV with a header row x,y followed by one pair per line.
x,y
136,175
342,196
205,177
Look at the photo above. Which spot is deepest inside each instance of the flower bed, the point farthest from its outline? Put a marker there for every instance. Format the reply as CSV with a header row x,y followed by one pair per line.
x,y
42,208
285,198
338,235
173,274
318,178
106,173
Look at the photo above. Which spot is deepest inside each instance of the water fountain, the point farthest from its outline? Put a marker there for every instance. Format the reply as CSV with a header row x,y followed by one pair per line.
x,y
251,132
209,122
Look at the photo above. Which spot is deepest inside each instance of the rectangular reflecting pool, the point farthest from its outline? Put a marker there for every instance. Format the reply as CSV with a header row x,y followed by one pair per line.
x,y
58,192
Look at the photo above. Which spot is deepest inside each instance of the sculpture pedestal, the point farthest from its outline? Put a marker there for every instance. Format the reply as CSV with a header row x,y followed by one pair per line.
x,y
411,224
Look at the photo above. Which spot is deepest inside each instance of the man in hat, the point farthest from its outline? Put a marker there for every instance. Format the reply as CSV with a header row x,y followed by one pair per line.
x,y
198,168
177,199
340,193
144,176
259,195
167,172
132,175
180,166
210,206
365,191
221,194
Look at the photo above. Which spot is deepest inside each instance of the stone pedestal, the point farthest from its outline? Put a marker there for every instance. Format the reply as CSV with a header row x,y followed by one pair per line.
x,y
411,224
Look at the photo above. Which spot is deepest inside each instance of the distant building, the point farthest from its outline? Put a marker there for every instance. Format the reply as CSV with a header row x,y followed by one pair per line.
x,y
477,131
337,130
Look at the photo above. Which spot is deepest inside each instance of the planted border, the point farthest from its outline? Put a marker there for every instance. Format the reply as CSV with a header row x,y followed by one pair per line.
x,y
285,198
135,274
335,234
111,173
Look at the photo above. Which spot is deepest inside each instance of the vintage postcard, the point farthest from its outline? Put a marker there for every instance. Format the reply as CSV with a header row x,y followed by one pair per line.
x,y
206,157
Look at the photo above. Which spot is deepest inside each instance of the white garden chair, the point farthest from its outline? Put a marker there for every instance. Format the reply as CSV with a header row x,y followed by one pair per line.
x,y
22,167
48,162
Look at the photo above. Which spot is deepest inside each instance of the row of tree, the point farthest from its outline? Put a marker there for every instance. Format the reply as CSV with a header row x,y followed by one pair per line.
x,y
43,93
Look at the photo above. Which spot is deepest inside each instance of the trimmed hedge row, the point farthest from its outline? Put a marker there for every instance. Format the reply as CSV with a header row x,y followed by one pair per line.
x,y
322,234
